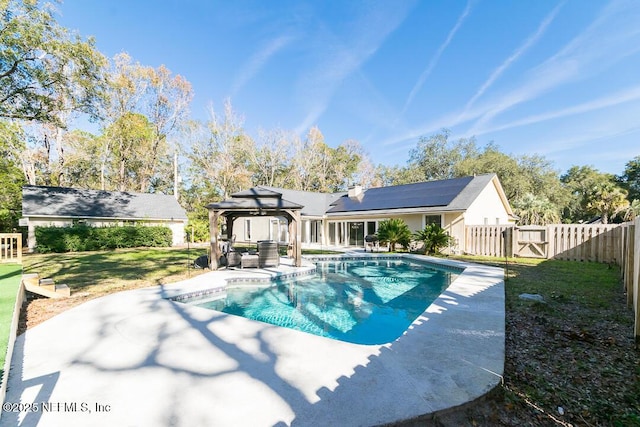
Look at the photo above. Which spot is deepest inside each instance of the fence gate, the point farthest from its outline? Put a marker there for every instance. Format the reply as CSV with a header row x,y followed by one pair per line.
x,y
531,241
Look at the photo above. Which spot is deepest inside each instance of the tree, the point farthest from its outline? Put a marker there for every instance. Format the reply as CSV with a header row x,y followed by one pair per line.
x,y
269,162
345,161
630,179
632,211
436,157
534,210
44,68
85,160
608,201
11,176
164,100
394,175
317,167
394,231
593,194
131,137
218,154
434,238
311,162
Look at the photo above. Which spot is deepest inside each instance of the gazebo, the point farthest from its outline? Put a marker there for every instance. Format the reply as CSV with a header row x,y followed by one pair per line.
x,y
252,202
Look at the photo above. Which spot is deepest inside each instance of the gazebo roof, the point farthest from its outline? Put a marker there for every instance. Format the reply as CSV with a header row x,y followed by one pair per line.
x,y
255,199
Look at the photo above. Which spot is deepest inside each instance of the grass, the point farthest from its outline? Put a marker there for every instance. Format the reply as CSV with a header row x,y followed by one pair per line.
x,y
107,271
10,276
575,351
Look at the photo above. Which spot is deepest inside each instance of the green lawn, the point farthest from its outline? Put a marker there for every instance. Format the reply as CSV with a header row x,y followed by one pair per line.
x,y
107,271
10,275
575,351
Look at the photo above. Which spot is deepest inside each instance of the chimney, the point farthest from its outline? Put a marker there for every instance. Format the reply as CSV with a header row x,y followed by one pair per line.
x,y
355,192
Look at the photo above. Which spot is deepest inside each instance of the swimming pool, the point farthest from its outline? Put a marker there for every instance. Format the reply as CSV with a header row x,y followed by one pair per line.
x,y
362,302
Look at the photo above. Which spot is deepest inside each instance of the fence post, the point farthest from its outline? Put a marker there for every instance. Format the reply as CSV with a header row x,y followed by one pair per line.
x,y
630,263
636,280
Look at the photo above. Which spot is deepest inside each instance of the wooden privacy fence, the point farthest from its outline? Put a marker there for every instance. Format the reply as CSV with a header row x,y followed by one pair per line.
x,y
572,242
11,248
611,243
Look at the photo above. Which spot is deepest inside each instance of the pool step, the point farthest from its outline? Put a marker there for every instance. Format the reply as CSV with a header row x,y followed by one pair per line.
x,y
45,287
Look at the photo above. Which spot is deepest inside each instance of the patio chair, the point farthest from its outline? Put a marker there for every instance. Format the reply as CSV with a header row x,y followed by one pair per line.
x,y
268,255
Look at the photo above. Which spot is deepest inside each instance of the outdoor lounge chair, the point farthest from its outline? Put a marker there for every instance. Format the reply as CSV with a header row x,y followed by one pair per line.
x,y
268,255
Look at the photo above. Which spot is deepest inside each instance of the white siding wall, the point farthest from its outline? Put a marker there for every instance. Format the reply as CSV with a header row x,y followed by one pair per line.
x,y
258,228
454,223
487,209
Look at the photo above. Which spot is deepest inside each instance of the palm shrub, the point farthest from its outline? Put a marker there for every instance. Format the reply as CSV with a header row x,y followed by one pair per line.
x,y
394,231
434,238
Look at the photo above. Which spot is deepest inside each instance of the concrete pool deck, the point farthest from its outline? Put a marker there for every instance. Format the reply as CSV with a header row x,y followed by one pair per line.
x,y
136,358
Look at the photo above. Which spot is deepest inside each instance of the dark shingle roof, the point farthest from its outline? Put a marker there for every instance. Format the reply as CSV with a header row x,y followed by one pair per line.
x,y
449,194
314,204
76,203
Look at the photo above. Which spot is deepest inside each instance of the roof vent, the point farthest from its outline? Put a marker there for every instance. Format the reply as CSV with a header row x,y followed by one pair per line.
x,y
356,192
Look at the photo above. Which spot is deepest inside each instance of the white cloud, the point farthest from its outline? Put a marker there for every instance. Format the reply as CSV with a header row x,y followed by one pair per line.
x,y
340,58
611,38
620,97
529,42
434,60
258,61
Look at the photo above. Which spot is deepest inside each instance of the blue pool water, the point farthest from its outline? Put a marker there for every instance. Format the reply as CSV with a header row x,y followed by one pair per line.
x,y
362,302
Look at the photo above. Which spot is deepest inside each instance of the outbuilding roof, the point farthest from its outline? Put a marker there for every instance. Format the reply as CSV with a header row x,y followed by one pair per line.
x,y
42,201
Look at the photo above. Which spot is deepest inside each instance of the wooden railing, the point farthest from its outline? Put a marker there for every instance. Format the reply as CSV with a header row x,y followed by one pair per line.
x,y
11,248
617,244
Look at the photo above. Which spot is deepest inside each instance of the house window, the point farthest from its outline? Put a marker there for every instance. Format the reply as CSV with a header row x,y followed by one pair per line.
x,y
316,231
356,233
433,219
371,227
332,233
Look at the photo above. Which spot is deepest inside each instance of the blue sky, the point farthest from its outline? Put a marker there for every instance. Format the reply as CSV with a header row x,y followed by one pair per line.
x,y
555,78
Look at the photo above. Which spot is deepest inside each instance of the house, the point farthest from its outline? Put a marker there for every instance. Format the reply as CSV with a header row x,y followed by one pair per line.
x,y
344,219
61,207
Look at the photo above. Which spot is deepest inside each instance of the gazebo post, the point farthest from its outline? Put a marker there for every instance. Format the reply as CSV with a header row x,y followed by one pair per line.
x,y
295,236
213,234
230,219
298,245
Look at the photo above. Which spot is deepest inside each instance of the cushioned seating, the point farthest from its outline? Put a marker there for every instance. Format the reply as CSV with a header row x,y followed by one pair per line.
x,y
249,260
268,255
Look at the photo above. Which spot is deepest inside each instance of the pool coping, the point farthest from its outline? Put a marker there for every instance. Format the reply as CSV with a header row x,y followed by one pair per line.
x,y
210,365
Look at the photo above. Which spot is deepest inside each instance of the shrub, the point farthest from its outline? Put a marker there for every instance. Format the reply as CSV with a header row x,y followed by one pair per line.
x,y
84,238
434,238
394,231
